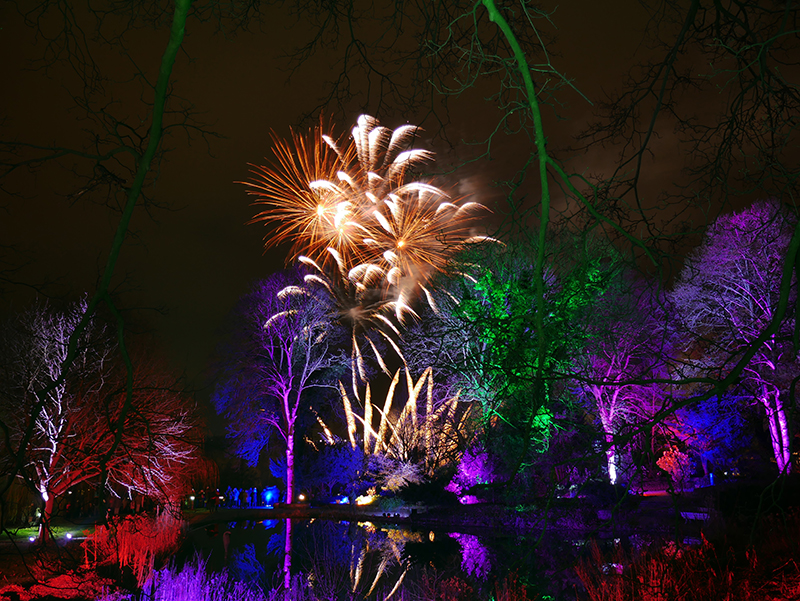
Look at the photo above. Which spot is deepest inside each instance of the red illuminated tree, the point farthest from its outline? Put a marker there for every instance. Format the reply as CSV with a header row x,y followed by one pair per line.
x,y
80,431
283,355
728,294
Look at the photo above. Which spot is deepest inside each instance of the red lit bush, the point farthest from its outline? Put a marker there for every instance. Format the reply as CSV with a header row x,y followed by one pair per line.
x,y
138,542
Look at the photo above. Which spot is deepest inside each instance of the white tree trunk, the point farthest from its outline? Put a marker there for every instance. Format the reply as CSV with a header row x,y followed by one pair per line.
x,y
778,430
611,458
611,449
47,515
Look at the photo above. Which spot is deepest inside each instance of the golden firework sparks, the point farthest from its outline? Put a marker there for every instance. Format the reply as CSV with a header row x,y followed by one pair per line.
x,y
299,198
360,305
355,199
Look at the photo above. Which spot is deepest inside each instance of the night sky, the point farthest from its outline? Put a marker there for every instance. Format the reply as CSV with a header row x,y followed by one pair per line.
x,y
193,257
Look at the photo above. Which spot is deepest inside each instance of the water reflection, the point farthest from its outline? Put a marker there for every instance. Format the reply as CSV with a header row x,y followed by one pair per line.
x,y
373,561
352,557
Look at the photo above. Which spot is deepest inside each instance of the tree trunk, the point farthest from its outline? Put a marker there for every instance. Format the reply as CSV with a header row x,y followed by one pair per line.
x,y
786,440
778,429
611,450
611,457
779,436
47,514
290,465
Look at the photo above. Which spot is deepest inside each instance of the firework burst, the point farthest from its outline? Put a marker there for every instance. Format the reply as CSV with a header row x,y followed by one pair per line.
x,y
371,235
356,198
305,212
360,305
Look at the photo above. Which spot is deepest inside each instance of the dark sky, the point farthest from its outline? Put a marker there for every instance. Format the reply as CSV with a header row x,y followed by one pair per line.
x,y
193,259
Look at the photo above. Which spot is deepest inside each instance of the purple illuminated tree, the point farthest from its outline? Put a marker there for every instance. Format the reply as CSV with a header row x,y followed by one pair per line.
x,y
727,295
626,347
284,353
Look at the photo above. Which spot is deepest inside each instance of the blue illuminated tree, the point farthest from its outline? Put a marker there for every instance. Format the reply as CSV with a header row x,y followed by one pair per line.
x,y
715,429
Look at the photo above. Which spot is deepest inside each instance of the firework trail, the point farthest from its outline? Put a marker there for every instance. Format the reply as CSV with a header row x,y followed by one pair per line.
x,y
360,305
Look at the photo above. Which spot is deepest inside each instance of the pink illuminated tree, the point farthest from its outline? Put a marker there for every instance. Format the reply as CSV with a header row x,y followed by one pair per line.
x,y
81,431
728,294
283,355
627,348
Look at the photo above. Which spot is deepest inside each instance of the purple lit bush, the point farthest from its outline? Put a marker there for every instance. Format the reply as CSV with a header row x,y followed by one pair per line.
x,y
194,583
335,469
475,468
475,558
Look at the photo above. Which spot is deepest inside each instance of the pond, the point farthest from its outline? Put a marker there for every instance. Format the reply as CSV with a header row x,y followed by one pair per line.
x,y
379,559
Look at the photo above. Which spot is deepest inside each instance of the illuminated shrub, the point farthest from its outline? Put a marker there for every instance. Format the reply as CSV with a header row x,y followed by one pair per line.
x,y
475,468
138,542
475,557
195,583
677,464
335,469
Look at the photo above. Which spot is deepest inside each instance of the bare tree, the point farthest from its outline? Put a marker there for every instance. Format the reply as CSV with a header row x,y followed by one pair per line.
x,y
35,349
283,356
141,144
728,294
720,90
73,435
627,347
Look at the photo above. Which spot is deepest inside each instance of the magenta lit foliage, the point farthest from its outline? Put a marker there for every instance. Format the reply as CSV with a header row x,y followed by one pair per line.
x,y
475,468
195,582
475,557
627,341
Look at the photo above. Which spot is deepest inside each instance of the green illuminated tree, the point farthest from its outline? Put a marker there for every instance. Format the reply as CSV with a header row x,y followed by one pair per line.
x,y
485,338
